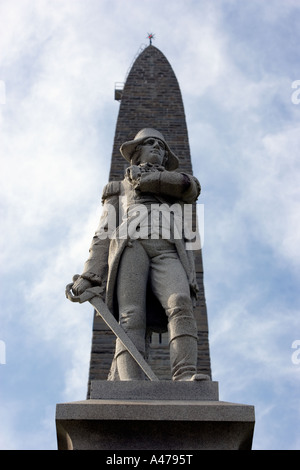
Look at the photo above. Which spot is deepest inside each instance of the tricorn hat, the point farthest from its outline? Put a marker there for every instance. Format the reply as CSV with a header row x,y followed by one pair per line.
x,y
127,149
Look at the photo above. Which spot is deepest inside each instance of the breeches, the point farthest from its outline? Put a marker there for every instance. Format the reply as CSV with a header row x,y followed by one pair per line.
x,y
157,261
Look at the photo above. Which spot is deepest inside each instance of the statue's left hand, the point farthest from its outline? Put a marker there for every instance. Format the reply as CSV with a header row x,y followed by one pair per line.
x,y
133,174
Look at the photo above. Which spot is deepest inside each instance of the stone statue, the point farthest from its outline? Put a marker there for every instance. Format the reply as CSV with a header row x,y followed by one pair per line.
x,y
148,279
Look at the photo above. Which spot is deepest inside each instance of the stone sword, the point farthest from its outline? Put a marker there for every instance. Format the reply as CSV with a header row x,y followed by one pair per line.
x,y
92,295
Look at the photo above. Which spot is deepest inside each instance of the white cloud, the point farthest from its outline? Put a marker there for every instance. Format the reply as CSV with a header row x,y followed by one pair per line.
x,y
40,429
254,337
62,327
271,194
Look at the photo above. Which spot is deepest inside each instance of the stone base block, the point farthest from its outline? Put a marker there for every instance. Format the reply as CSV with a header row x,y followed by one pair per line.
x,y
154,424
162,390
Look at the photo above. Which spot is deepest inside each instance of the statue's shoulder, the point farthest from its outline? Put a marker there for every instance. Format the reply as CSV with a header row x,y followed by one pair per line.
x,y
113,188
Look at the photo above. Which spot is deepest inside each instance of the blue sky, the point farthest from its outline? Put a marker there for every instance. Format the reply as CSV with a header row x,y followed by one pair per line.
x,y
235,62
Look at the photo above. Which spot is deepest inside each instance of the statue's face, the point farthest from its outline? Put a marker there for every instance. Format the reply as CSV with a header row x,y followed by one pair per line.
x,y
153,151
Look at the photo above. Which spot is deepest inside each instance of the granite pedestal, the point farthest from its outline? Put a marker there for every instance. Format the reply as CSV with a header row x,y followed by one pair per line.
x,y
154,416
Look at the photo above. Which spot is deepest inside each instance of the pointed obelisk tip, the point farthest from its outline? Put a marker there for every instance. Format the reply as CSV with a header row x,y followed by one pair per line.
x,y
150,36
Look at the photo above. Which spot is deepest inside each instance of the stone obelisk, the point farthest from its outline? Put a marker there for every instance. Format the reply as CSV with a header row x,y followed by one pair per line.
x,y
164,414
151,97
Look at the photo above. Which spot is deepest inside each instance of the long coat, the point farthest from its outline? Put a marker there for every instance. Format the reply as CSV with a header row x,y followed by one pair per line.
x,y
110,239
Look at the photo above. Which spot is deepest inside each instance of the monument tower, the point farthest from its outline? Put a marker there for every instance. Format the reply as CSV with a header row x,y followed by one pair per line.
x,y
179,407
151,97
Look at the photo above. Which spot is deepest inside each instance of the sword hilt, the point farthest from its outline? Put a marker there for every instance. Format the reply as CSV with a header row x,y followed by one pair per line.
x,y
88,294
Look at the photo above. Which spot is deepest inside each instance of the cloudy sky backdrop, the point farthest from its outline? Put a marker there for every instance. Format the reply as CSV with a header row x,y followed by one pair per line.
x,y
236,63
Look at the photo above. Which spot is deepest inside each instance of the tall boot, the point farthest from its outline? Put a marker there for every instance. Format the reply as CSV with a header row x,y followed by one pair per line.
x,y
128,369
183,357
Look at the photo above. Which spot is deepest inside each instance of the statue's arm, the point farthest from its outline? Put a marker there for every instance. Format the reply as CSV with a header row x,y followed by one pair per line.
x,y
170,183
96,266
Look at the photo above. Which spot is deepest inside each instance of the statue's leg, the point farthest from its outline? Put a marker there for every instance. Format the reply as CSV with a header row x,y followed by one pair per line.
x,y
182,330
131,292
170,285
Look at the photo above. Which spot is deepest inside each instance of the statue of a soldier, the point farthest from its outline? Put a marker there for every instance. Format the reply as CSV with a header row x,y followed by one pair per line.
x,y
149,280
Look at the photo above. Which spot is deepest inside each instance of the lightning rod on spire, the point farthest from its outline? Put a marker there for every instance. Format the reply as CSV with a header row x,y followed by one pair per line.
x,y
151,36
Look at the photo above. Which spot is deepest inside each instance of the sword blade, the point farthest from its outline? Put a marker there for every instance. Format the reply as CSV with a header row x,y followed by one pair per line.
x,y
112,323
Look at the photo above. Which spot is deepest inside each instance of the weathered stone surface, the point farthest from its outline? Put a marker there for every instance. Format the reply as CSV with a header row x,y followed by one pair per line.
x,y
162,390
151,410
154,425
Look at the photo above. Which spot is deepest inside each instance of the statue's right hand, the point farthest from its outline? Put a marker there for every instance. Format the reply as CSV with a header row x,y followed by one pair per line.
x,y
80,285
